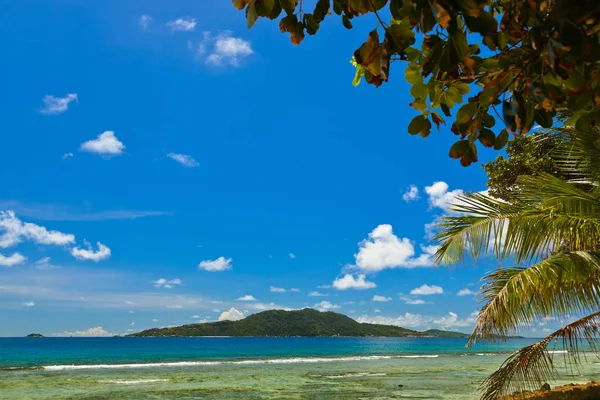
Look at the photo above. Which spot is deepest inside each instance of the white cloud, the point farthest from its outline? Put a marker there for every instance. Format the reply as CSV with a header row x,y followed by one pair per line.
x,y
43,263
144,21
92,332
268,306
440,197
154,320
414,301
418,321
105,144
231,315
220,264
324,287
376,310
184,159
407,320
167,284
196,316
29,304
411,194
383,250
292,256
15,231
12,260
381,298
67,155
224,49
57,105
426,290
348,281
247,297
325,306
294,290
184,24
178,306
89,254
452,320
317,294
275,289
465,292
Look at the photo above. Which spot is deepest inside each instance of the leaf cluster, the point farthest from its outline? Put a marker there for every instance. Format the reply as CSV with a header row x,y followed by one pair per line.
x,y
524,62
549,227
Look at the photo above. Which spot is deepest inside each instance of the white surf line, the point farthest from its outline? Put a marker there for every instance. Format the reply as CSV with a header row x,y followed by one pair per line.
x,y
295,360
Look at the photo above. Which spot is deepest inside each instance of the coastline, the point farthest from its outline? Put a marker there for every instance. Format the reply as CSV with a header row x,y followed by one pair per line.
x,y
586,391
327,368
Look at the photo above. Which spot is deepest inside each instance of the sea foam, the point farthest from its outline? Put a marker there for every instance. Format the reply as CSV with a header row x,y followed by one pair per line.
x,y
176,364
133,381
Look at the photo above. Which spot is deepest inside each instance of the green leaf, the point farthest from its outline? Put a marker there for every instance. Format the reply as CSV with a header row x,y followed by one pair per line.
x,y
346,22
400,36
377,4
462,87
312,25
454,95
447,100
529,117
489,121
460,148
490,64
466,113
501,140
288,5
503,40
583,124
400,9
445,110
417,124
264,7
321,10
251,14
580,102
419,91
412,77
487,137
543,118
426,130
551,78
360,72
576,81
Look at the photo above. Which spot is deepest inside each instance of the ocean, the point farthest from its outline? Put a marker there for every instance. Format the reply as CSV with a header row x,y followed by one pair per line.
x,y
253,368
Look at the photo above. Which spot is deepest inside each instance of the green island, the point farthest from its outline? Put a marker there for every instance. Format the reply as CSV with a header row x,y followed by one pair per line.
x,y
306,322
35,335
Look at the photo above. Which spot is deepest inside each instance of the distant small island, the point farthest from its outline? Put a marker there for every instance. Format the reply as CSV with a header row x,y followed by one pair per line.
x,y
306,322
35,335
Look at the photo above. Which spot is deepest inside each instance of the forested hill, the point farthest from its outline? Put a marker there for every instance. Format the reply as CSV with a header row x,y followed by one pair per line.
x,y
306,322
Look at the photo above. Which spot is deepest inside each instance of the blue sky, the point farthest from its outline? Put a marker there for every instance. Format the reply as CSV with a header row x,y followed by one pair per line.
x,y
160,162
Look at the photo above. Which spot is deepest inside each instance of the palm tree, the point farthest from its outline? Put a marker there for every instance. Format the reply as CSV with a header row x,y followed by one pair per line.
x,y
551,232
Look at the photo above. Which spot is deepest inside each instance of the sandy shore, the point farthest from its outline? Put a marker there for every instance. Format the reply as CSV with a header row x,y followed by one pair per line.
x,y
588,391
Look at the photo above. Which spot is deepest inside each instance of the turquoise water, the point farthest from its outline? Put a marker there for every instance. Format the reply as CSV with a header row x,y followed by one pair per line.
x,y
251,368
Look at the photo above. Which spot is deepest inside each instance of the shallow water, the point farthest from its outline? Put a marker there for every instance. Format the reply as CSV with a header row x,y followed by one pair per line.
x,y
250,368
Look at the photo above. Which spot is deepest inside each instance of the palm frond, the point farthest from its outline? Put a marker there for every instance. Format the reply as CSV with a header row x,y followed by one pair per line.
x,y
579,159
530,367
567,283
547,215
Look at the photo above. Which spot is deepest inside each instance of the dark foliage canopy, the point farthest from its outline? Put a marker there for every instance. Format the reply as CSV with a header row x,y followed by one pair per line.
x,y
519,61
